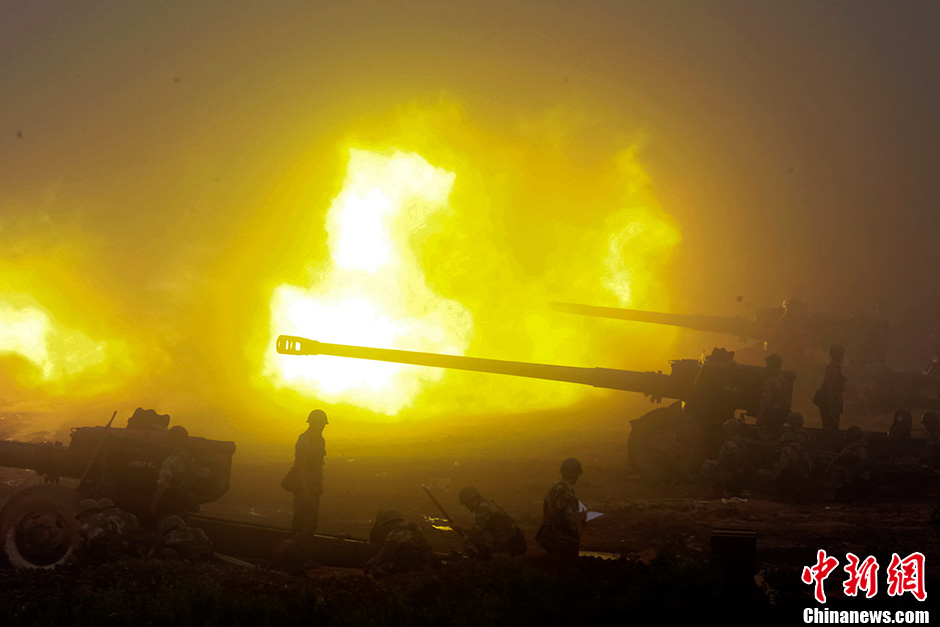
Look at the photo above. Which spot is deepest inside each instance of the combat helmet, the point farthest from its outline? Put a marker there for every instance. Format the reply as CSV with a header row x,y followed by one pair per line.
x,y
795,419
571,467
468,494
86,506
318,417
178,433
389,515
732,425
836,350
853,433
105,503
930,418
171,522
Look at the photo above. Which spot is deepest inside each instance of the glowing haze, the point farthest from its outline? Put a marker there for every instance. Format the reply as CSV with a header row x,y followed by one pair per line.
x,y
398,242
373,292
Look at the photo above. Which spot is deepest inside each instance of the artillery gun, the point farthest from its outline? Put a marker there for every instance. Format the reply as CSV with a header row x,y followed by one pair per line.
x,y
668,441
789,330
38,528
671,441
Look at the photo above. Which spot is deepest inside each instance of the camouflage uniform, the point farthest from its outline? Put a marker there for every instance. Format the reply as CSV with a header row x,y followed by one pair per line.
x,y
560,533
494,531
773,406
790,473
850,473
186,543
733,467
930,455
173,477
829,397
404,549
308,461
101,540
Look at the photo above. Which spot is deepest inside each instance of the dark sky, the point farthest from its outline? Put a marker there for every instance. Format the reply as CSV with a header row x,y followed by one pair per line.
x,y
795,144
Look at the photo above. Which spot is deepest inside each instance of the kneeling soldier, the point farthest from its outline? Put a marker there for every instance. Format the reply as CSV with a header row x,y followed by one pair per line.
x,y
404,548
493,530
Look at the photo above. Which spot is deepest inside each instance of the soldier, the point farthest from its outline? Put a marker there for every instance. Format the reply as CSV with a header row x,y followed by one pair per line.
x,y
562,520
790,473
122,521
902,424
493,531
100,540
828,397
732,471
808,440
307,480
930,456
173,494
774,404
182,542
849,475
404,547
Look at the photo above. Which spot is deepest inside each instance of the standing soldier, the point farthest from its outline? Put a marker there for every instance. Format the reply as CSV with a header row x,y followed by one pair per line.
x,y
308,474
828,397
774,404
173,494
560,533
493,531
404,547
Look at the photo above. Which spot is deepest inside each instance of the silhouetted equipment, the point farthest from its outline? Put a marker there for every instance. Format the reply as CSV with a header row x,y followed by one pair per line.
x,y
788,329
671,440
38,528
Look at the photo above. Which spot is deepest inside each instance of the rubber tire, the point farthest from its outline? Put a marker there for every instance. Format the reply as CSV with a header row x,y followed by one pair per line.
x,y
666,444
59,505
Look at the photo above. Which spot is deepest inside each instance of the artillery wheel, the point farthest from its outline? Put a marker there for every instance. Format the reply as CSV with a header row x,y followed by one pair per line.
x,y
38,528
665,444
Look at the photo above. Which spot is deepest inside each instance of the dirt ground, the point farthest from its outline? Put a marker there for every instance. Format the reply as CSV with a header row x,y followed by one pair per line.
x,y
639,522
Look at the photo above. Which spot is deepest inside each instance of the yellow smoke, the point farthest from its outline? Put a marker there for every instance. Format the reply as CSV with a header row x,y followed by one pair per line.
x,y
373,293
56,351
446,238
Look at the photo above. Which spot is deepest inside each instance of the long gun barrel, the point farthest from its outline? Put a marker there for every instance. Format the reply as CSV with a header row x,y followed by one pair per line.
x,y
732,325
654,384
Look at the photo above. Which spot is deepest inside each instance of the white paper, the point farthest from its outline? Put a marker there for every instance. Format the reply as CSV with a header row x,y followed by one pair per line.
x,y
588,515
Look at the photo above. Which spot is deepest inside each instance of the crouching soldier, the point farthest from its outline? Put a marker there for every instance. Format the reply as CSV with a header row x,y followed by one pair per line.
x,y
493,530
404,547
732,471
849,475
122,521
790,473
562,520
101,540
182,542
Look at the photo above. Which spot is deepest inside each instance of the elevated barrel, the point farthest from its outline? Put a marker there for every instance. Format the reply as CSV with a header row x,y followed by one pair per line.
x,y
657,385
732,325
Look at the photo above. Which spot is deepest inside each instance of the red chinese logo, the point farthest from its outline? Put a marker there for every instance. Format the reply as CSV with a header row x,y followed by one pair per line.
x,y
907,575
819,572
864,577
904,575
